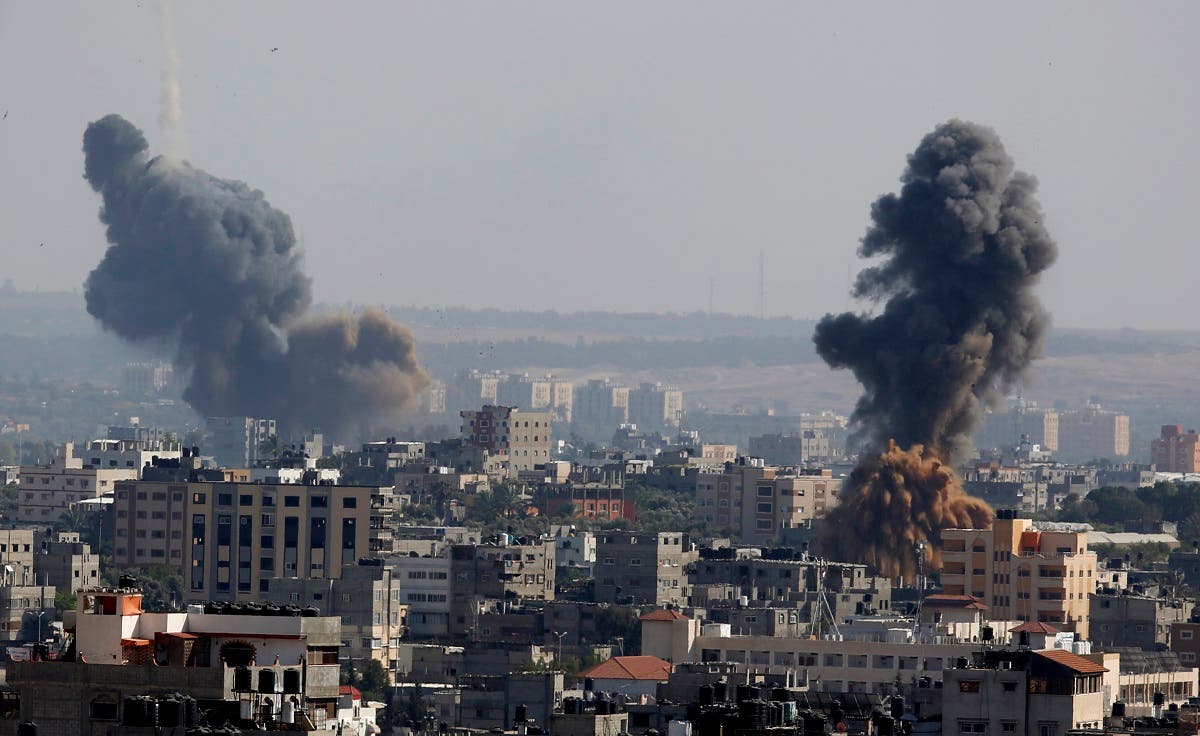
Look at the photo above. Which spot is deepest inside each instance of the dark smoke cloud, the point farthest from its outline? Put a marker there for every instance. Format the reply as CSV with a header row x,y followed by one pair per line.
x,y
961,247
211,264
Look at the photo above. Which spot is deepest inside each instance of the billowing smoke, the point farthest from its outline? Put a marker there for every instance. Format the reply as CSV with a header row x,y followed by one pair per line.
x,y
960,248
209,263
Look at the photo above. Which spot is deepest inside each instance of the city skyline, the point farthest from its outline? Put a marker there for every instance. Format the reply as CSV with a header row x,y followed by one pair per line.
x,y
685,143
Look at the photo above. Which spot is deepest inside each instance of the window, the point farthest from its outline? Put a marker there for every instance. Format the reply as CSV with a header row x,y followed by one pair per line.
x,y
764,508
1008,726
766,491
1009,687
245,499
268,520
968,686
320,502
224,499
199,498
1185,635
972,727
291,501
349,502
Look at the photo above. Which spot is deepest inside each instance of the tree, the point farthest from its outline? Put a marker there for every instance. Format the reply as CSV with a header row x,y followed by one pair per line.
x,y
375,681
271,447
64,600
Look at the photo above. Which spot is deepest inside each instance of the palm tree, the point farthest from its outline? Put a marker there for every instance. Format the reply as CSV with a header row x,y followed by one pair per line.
x,y
271,447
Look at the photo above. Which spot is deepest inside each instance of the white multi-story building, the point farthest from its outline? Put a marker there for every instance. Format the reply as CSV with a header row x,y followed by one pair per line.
x,y
126,454
424,585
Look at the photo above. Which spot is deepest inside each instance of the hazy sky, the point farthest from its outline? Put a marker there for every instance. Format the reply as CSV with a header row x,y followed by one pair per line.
x,y
619,155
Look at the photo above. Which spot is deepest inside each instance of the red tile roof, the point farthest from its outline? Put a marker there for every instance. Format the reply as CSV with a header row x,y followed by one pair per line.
x,y
662,614
943,600
351,691
630,668
1034,627
1072,661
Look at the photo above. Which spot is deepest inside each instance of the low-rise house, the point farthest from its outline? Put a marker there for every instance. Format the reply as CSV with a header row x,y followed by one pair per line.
x,y
633,677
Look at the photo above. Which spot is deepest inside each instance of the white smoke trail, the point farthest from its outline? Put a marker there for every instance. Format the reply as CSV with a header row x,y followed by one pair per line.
x,y
172,111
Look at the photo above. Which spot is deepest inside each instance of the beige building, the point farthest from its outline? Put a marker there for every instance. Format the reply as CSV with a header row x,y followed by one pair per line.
x,y
760,501
1040,693
47,491
520,439
229,539
1092,433
16,552
654,407
1023,572
367,598
67,563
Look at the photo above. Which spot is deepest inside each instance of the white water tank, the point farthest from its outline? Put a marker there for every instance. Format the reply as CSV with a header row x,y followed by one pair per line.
x,y
717,630
679,728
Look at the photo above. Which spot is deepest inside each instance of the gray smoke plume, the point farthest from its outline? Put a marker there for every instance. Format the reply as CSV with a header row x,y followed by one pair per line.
x,y
209,263
961,248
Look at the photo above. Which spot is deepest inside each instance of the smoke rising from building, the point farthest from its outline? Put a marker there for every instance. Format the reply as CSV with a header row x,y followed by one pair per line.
x,y
210,264
172,95
959,251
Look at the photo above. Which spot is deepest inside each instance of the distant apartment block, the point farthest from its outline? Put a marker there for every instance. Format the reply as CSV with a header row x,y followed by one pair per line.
x,y
541,394
147,378
600,406
654,407
229,539
433,401
1023,572
17,554
798,448
760,501
1092,433
236,442
1003,430
424,584
1176,451
67,563
520,439
504,571
47,491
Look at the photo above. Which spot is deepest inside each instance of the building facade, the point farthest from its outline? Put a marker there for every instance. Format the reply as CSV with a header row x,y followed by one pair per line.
x,y
236,442
230,539
643,567
1176,451
520,439
1092,433
1023,572
761,501
48,491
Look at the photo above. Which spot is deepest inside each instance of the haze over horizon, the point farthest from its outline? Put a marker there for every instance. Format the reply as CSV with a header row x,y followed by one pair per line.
x,y
618,157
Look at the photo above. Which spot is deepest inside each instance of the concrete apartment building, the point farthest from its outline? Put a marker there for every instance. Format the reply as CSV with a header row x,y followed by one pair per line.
x,y
67,563
47,491
235,442
124,651
1092,433
643,567
655,408
506,571
17,553
520,439
792,449
1185,642
24,609
1023,571
1126,620
600,406
128,454
424,585
1005,429
1039,693
229,539
367,597
1176,451
761,501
